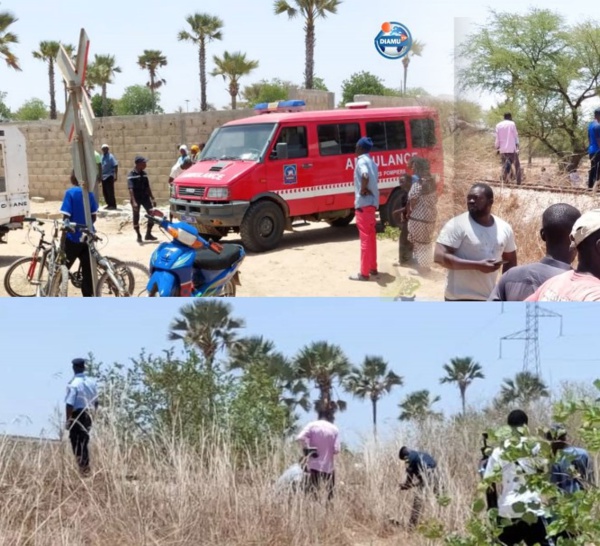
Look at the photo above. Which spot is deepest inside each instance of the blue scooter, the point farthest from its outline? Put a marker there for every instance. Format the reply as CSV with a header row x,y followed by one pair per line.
x,y
191,266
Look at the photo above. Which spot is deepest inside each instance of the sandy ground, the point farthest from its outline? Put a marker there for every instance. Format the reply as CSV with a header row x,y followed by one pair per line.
x,y
314,260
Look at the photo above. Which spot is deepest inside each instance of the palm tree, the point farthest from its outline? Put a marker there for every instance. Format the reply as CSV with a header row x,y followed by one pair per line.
x,y
233,66
255,351
372,380
151,60
417,406
462,371
416,50
101,73
526,387
7,39
205,28
47,52
311,10
323,364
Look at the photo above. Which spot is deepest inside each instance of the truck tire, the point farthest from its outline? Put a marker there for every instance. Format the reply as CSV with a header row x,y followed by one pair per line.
x,y
262,226
393,203
341,222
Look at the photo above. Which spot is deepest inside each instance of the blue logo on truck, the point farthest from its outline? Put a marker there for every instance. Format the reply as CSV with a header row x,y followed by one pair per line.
x,y
290,174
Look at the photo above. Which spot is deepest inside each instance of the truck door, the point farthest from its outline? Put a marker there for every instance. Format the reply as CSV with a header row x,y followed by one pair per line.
x,y
292,178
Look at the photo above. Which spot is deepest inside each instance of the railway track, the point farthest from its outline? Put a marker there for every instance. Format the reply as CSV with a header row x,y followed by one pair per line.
x,y
543,188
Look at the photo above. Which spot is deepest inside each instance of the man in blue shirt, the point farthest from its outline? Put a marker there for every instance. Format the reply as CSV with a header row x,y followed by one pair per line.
x,y
420,472
594,149
81,399
75,249
572,469
366,202
110,174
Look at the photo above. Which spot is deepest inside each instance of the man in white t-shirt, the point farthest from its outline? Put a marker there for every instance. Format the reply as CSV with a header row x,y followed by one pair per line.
x,y
515,490
473,246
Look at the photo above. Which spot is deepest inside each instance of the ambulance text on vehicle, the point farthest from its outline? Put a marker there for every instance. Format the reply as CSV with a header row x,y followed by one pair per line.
x,y
257,175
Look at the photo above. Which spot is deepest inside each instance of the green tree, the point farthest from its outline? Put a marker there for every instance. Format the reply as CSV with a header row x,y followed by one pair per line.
x,y
310,10
363,83
101,73
325,365
138,100
319,84
151,60
47,52
372,380
208,326
232,66
525,388
97,105
546,69
8,39
416,50
32,110
462,372
418,406
266,91
204,28
5,113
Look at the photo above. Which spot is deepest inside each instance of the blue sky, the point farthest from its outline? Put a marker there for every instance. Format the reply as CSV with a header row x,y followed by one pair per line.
x,y
344,42
40,337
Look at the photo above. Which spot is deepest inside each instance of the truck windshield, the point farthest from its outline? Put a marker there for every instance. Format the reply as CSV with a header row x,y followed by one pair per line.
x,y
238,142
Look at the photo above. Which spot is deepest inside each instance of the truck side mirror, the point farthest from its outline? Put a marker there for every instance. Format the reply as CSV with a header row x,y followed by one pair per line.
x,y
281,150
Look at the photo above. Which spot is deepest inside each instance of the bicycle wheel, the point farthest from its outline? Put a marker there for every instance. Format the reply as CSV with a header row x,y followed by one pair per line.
x,y
60,283
133,277
17,282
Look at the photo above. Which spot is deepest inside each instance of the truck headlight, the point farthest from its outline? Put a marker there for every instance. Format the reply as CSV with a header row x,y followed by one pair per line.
x,y
217,193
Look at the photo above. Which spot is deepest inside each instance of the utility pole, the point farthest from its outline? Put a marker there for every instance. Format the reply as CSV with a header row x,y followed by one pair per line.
x,y
531,354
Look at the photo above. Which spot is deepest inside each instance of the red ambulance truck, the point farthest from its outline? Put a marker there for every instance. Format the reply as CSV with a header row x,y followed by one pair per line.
x,y
258,175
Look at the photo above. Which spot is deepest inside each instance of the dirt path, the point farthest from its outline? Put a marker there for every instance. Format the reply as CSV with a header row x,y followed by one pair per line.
x,y
315,260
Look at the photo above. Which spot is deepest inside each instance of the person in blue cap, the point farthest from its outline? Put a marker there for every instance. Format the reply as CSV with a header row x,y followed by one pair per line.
x,y
366,202
140,195
420,472
81,399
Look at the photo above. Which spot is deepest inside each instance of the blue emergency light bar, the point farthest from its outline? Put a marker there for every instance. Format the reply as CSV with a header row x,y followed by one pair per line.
x,y
280,106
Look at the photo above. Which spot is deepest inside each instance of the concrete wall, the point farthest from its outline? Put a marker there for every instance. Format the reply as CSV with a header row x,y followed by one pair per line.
x,y
154,136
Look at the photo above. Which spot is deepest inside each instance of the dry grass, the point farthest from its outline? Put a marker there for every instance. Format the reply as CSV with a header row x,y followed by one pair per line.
x,y
166,493
470,159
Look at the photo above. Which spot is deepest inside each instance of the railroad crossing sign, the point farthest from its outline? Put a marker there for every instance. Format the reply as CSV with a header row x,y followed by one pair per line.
x,y
78,126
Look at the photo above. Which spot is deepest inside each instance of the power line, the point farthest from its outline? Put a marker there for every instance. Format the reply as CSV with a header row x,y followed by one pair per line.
x,y
531,336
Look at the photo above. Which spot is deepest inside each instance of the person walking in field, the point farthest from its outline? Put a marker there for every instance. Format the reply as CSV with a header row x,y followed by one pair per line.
x,y
594,149
507,145
420,473
323,438
81,400
366,202
473,246
522,281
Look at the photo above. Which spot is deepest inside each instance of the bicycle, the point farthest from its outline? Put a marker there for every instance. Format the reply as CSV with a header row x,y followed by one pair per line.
x,y
20,278
51,277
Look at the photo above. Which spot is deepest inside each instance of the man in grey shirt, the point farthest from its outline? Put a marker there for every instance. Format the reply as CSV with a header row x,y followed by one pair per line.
x,y
520,282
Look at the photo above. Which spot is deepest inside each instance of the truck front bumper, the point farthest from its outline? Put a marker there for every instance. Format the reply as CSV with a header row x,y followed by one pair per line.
x,y
210,214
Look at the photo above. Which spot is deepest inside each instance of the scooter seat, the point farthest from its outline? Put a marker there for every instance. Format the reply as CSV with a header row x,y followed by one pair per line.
x,y
211,261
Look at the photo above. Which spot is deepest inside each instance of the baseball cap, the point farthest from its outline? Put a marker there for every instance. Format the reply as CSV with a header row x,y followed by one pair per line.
x,y
597,111
556,432
587,224
78,361
140,159
104,146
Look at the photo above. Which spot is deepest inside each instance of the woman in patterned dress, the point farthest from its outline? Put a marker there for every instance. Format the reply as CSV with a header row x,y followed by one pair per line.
x,y
422,213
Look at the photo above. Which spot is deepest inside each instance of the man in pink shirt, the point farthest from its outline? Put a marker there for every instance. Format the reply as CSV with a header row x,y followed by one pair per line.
x,y
582,284
507,144
324,437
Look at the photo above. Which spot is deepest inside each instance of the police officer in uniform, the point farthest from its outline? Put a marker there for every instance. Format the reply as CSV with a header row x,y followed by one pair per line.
x,y
81,399
140,194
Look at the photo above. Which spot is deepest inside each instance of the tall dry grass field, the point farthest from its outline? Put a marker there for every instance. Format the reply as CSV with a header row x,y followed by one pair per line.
x,y
164,492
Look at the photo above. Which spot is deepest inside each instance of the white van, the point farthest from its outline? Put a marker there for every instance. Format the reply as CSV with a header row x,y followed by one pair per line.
x,y
14,182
